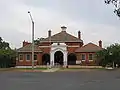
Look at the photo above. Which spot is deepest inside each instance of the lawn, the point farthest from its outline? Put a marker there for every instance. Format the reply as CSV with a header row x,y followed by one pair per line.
x,y
22,69
80,69
42,68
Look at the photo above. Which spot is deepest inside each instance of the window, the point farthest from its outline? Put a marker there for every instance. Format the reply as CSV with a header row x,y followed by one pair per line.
x,y
83,56
90,56
28,57
20,57
35,57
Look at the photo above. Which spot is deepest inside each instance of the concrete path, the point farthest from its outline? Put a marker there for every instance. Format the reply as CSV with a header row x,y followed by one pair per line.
x,y
51,70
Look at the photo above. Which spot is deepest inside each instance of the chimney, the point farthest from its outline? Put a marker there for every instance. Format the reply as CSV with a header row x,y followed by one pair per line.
x,y
63,28
100,43
25,43
79,34
49,33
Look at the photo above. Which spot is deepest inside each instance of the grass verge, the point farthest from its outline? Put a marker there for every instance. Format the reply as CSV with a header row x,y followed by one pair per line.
x,y
80,69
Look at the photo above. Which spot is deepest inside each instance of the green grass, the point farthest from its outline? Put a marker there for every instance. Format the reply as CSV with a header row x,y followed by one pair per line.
x,y
30,68
43,68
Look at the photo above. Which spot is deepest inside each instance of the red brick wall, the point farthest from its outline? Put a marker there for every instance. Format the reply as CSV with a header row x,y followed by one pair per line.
x,y
74,43
24,62
71,49
87,61
45,50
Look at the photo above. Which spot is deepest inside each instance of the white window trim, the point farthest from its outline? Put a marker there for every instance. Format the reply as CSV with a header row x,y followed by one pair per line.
x,y
90,60
89,56
26,58
19,57
83,59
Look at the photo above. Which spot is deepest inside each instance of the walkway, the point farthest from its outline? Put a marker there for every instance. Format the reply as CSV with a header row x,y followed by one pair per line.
x,y
51,70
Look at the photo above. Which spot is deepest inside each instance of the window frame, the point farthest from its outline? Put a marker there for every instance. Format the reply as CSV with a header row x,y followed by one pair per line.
x,y
22,57
91,59
82,57
29,57
36,57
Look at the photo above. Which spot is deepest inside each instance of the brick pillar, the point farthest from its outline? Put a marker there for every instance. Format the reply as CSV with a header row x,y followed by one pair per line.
x,y
87,59
39,59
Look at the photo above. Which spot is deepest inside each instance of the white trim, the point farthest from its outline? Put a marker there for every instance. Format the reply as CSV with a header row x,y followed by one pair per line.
x,y
26,57
35,60
84,55
54,48
90,60
19,58
89,56
84,60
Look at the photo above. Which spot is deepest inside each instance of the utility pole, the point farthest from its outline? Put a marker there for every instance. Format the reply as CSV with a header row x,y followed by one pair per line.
x,y
32,39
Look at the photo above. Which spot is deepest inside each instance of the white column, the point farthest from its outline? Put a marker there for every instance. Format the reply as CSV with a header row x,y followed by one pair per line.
x,y
52,58
65,58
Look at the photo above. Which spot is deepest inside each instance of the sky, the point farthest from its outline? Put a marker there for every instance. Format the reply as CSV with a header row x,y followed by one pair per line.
x,y
93,18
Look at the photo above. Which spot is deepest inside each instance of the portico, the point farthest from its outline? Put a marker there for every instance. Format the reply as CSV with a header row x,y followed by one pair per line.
x,y
58,54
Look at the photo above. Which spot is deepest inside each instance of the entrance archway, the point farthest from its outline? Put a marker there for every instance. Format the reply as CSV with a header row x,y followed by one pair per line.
x,y
58,57
45,59
72,59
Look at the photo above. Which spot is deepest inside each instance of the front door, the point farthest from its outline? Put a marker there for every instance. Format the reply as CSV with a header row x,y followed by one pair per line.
x,y
58,57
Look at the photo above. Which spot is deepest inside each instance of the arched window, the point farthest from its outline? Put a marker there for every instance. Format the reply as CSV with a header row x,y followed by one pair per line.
x,y
45,59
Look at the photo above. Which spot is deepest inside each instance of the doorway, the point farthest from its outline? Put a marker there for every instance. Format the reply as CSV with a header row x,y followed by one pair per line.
x,y
58,57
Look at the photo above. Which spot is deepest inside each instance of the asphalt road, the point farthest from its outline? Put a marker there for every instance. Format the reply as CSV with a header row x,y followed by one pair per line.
x,y
92,80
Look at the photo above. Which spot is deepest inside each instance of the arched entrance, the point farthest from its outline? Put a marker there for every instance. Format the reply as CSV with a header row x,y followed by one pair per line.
x,y
58,57
45,59
72,59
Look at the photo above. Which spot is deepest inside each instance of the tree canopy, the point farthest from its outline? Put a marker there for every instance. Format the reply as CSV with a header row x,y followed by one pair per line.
x,y
116,4
37,41
109,55
7,55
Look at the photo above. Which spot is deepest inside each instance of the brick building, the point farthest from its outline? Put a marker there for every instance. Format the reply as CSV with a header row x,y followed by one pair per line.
x,y
62,48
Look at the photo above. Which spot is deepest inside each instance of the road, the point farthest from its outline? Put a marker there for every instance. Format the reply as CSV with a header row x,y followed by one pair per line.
x,y
82,80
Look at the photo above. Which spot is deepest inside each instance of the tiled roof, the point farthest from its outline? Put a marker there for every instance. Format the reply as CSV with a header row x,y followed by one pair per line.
x,y
28,48
90,47
63,36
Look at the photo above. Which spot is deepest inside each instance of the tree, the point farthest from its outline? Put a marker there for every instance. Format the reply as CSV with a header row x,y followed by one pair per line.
x,y
7,55
3,44
37,41
109,55
116,4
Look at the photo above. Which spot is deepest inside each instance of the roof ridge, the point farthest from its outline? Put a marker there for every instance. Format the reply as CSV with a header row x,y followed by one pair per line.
x,y
90,47
72,35
90,43
63,36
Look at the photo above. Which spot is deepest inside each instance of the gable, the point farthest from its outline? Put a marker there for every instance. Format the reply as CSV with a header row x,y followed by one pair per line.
x,y
90,47
28,48
63,36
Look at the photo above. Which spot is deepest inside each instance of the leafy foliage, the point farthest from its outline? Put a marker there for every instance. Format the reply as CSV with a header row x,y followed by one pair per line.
x,y
7,55
116,3
37,41
109,55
